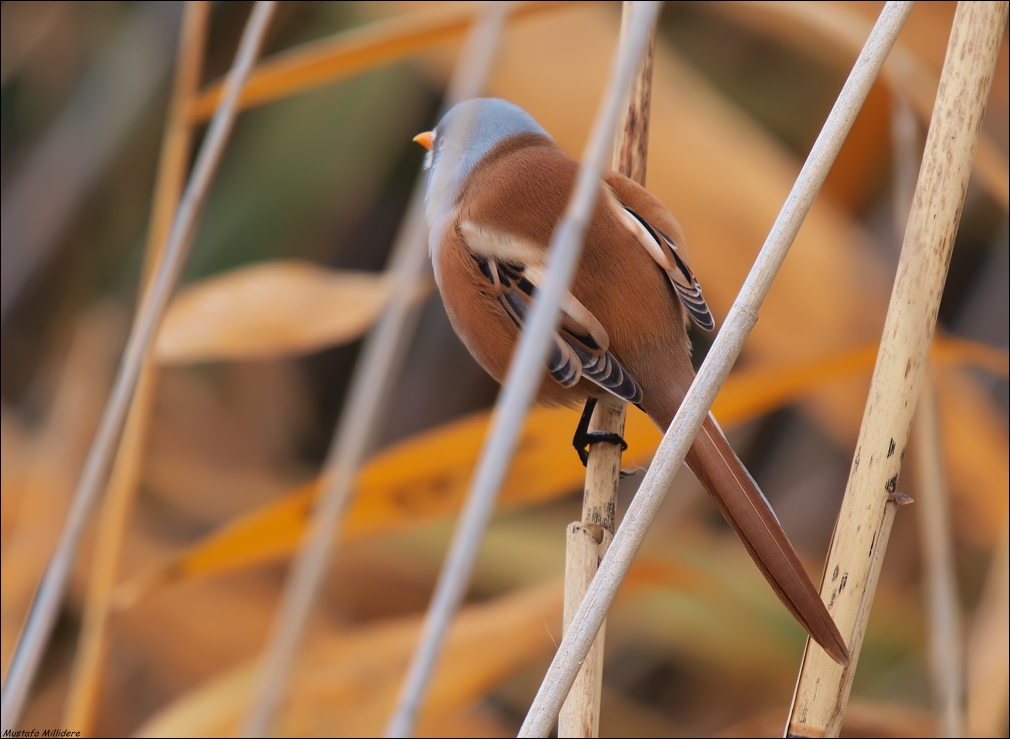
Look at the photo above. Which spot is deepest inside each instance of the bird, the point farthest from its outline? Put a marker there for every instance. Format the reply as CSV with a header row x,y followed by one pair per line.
x,y
497,186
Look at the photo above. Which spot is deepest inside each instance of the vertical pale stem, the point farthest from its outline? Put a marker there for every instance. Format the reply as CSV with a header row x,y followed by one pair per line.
x,y
584,545
85,681
940,582
631,147
943,614
49,597
588,540
988,644
864,522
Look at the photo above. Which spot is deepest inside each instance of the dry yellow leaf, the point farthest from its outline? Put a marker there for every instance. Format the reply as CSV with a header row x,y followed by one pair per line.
x,y
353,52
346,683
417,480
979,446
753,391
269,310
836,32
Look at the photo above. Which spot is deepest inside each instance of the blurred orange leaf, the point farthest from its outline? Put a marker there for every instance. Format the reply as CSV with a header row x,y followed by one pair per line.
x,y
837,33
354,51
426,477
963,353
270,310
753,391
978,446
420,479
347,682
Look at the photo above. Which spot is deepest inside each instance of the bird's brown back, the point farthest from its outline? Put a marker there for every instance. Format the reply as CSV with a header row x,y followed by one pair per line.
x,y
525,186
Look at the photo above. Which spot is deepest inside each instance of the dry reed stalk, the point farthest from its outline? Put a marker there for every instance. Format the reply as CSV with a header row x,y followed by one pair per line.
x,y
49,597
587,540
380,363
727,346
585,545
524,376
988,644
85,679
864,523
946,658
358,50
936,536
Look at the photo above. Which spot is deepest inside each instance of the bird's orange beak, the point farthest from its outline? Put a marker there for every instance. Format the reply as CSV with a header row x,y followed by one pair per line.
x,y
425,139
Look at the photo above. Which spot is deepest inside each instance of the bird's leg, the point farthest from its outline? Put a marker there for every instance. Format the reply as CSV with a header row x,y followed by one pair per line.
x,y
584,437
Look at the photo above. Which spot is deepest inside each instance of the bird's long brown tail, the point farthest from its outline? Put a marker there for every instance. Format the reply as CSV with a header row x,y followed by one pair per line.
x,y
744,507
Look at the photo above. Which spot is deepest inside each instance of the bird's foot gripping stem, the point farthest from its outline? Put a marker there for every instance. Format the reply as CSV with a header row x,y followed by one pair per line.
x,y
584,438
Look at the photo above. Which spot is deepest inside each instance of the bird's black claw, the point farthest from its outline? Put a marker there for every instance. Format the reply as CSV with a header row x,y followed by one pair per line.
x,y
584,437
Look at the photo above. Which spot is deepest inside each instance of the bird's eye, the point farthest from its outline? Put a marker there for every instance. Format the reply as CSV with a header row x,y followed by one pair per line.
x,y
440,143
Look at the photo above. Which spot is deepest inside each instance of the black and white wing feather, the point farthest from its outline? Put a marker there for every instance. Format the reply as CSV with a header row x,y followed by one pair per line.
x,y
514,272
666,254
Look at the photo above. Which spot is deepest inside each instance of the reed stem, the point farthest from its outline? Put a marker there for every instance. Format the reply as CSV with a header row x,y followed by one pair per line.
x,y
864,523
587,540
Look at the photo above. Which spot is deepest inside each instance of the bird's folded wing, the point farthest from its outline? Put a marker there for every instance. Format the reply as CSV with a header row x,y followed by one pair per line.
x,y
652,224
514,270
664,250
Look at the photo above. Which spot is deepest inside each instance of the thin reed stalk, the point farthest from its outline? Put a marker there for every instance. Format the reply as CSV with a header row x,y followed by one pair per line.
x,y
45,607
380,364
726,348
587,540
85,679
868,509
988,643
524,377
935,533
943,614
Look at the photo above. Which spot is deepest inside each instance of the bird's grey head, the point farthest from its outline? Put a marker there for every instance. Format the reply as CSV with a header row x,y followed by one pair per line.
x,y
468,132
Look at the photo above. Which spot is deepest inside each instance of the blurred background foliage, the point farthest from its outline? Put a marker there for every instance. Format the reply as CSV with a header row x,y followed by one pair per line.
x,y
245,406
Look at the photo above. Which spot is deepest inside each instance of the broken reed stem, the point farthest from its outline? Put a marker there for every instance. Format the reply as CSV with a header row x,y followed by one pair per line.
x,y
864,522
587,540
525,374
379,366
85,679
716,367
932,509
49,597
